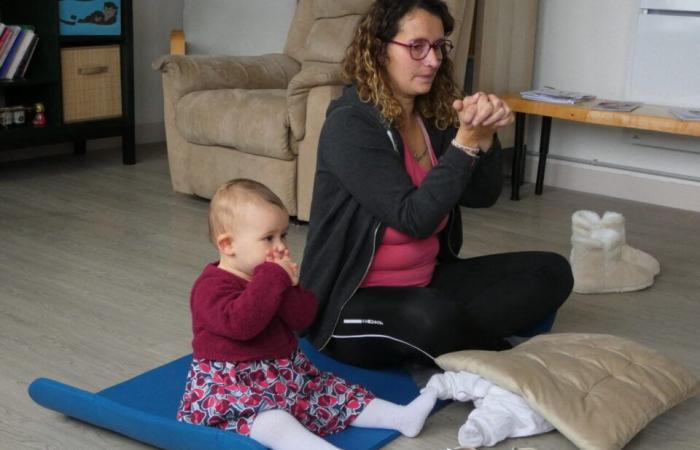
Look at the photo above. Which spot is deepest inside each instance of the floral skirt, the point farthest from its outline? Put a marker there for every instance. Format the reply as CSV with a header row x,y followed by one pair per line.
x,y
229,395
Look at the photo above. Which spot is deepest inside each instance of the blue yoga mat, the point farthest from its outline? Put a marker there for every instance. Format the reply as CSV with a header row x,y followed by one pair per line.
x,y
144,407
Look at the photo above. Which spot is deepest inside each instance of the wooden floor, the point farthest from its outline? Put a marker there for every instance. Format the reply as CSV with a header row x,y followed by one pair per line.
x,y
97,259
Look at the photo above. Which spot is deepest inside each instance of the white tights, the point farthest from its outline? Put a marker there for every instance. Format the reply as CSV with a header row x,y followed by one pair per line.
x,y
279,430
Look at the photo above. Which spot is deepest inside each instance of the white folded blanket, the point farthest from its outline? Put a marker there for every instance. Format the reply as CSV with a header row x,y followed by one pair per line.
x,y
498,414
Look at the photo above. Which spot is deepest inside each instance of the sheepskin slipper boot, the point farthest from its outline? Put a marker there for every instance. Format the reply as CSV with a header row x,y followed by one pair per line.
x,y
615,221
598,266
584,222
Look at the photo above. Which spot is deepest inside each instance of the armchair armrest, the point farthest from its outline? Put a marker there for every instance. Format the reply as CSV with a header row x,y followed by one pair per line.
x,y
310,76
188,73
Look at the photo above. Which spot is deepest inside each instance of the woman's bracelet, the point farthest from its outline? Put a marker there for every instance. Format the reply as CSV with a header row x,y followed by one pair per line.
x,y
471,151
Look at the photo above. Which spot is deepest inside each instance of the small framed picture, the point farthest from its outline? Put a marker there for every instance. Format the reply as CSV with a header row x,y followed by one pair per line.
x,y
90,17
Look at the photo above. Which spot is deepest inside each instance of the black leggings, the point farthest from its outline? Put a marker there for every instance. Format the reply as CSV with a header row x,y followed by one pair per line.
x,y
469,304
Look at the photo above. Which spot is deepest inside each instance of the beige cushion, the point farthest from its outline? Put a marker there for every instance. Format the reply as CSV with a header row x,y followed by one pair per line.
x,y
254,121
597,390
339,8
328,39
332,29
311,76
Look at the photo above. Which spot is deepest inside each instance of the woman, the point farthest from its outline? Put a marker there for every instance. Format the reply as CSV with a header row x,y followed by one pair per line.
x,y
385,226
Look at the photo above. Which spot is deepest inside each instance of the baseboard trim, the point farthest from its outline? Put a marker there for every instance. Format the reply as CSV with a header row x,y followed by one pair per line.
x,y
647,188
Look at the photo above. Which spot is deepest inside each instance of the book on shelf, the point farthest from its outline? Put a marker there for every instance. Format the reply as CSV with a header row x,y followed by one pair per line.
x,y
686,113
17,56
552,95
10,36
3,28
5,34
615,105
11,55
24,64
22,45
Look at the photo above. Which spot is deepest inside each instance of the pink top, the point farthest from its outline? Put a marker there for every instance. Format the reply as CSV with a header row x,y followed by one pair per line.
x,y
402,260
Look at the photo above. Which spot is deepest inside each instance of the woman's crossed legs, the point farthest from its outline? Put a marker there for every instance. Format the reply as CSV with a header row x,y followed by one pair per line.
x,y
470,304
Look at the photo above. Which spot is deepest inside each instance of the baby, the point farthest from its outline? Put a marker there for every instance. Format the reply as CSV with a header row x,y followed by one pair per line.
x,y
248,374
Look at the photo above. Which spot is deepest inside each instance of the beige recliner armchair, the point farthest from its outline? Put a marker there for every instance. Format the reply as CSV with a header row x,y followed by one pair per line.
x,y
259,117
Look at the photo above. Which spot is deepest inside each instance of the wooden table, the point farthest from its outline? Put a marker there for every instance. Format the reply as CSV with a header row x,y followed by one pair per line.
x,y
646,117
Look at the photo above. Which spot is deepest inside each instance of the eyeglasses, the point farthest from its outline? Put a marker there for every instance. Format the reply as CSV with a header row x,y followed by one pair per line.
x,y
420,48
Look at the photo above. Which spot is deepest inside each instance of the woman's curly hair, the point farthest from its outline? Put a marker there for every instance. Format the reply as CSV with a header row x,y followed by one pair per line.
x,y
366,58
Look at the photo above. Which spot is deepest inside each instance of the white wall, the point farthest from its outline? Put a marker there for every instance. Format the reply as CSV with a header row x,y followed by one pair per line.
x,y
588,46
153,21
237,27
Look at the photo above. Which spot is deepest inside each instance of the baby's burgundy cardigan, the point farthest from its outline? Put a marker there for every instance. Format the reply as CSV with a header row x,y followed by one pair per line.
x,y
238,320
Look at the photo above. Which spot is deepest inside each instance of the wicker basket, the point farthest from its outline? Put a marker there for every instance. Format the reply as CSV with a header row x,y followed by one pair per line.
x,y
91,83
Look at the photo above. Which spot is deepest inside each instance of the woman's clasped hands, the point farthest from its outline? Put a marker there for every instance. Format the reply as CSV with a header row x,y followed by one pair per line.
x,y
480,116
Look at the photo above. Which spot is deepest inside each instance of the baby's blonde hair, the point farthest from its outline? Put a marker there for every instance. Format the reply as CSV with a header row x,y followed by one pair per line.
x,y
230,196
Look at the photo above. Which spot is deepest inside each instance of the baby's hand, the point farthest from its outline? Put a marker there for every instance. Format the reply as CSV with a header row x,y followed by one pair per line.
x,y
282,259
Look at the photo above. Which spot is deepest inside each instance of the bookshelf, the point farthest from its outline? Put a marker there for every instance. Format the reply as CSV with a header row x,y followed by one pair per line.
x,y
46,78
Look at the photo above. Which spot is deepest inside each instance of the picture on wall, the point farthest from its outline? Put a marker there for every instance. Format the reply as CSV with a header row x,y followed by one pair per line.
x,y
90,17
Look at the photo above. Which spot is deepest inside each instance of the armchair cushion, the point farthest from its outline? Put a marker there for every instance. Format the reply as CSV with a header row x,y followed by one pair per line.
x,y
203,72
332,29
311,75
328,38
339,8
253,120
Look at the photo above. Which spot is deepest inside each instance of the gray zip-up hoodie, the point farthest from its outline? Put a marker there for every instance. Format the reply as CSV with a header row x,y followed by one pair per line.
x,y
361,187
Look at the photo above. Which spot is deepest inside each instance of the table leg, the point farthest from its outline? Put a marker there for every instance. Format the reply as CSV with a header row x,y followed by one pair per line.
x,y
518,156
544,150
522,165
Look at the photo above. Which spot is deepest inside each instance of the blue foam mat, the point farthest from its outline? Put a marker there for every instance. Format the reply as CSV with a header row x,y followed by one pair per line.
x,y
144,407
